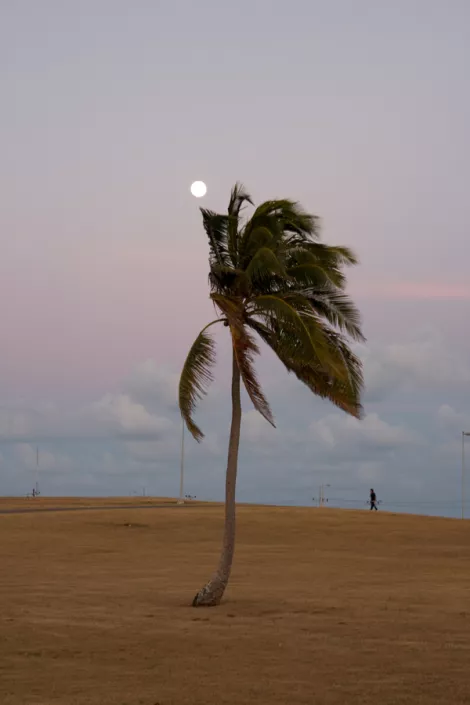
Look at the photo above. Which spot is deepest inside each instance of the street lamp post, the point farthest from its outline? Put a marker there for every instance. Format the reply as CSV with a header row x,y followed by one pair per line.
x,y
321,499
464,433
181,497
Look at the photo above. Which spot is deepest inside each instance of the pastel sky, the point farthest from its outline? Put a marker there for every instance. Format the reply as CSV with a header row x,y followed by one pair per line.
x,y
359,109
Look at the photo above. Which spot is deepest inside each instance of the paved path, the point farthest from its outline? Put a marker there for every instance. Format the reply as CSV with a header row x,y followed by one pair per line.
x,y
31,510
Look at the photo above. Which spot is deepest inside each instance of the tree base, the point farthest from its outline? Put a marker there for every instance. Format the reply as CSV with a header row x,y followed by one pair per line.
x,y
210,595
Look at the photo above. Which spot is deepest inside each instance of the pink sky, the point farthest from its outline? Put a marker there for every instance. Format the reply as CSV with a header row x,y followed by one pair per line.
x,y
103,255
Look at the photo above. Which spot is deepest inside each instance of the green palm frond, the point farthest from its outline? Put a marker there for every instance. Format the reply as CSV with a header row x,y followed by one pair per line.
x,y
230,306
278,313
332,255
344,393
292,217
195,378
339,393
337,308
352,364
223,279
238,198
245,349
254,238
291,316
263,265
325,354
307,275
216,227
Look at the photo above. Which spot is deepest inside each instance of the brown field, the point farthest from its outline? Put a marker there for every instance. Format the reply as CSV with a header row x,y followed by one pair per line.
x,y
324,606
44,502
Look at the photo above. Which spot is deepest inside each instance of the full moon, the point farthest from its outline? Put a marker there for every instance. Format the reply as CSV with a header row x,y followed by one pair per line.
x,y
198,189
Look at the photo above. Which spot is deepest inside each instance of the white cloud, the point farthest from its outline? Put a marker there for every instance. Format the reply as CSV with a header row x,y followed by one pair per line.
x,y
113,416
149,383
141,435
27,459
256,429
453,420
345,432
16,423
265,440
451,423
370,471
119,415
427,361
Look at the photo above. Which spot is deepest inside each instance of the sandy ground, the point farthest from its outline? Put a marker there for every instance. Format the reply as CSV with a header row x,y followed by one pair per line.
x,y
324,606
45,502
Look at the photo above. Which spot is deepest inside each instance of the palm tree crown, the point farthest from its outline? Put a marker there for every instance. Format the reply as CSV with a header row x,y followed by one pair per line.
x,y
271,277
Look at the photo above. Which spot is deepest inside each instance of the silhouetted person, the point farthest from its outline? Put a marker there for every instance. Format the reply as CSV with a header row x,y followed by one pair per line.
x,y
373,500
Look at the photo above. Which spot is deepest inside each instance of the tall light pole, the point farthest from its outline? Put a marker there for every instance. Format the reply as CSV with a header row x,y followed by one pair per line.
x,y
464,433
321,501
181,497
36,484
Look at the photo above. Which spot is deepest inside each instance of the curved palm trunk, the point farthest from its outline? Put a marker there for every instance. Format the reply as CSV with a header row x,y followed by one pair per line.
x,y
212,593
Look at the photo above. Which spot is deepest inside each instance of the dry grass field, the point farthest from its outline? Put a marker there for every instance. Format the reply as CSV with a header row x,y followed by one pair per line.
x,y
325,606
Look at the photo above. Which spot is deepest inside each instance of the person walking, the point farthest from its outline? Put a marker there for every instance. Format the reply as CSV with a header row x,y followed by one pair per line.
x,y
373,501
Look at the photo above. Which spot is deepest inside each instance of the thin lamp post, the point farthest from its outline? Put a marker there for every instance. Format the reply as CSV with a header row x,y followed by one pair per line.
x,y
181,497
464,433
322,494
36,484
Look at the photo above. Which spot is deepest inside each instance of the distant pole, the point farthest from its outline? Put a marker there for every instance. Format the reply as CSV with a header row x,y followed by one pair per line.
x,y
322,495
37,470
181,497
464,433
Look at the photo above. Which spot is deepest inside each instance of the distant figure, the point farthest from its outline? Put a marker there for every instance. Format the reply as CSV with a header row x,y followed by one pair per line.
x,y
373,500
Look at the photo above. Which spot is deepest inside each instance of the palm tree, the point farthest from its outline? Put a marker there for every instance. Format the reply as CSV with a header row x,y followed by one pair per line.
x,y
270,277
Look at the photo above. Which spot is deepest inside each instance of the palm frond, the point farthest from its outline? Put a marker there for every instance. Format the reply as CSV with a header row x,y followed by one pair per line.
x,y
263,265
344,392
216,227
195,378
332,255
352,364
337,308
245,350
320,335
238,198
264,233
230,306
307,275
223,279
293,218
280,314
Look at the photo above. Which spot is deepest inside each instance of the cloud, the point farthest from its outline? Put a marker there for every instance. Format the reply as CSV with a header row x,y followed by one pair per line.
x,y
114,416
27,458
120,416
428,361
347,435
371,471
131,438
256,429
264,440
151,384
453,420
